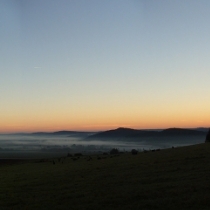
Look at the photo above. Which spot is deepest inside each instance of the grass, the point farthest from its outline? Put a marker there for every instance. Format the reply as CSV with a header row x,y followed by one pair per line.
x,y
168,179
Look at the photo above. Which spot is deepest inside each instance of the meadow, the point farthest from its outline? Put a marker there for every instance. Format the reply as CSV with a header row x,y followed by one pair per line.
x,y
175,178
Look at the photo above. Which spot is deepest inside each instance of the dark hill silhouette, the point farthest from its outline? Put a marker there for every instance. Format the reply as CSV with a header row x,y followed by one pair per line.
x,y
66,132
134,133
40,133
123,132
63,133
181,131
202,129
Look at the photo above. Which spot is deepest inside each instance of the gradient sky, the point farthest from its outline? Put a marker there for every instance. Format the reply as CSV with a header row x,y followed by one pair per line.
x,y
96,65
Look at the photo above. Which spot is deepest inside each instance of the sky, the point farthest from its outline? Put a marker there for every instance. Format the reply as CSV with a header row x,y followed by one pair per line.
x,y
98,65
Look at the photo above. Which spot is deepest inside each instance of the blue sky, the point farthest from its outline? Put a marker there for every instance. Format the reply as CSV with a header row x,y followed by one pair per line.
x,y
99,64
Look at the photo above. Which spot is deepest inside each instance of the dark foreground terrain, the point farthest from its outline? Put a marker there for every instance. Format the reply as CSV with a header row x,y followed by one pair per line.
x,y
168,179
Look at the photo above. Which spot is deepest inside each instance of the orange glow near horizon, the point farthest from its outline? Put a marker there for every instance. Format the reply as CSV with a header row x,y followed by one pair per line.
x,y
98,117
99,124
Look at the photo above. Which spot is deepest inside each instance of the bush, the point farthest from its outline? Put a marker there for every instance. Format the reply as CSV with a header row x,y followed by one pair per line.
x,y
208,136
77,154
114,151
134,152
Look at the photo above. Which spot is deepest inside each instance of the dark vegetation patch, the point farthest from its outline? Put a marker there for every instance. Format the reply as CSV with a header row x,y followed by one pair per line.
x,y
114,151
11,161
134,152
169,179
208,136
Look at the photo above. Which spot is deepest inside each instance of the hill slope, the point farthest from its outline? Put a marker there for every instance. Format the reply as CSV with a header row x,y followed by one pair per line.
x,y
167,179
133,133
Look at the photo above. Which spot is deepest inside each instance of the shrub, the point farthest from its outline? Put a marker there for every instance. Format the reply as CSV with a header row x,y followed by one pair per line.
x,y
77,154
208,136
134,152
114,151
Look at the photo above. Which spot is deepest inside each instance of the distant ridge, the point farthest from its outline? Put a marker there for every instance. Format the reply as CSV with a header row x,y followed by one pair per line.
x,y
62,133
134,133
202,129
181,131
122,132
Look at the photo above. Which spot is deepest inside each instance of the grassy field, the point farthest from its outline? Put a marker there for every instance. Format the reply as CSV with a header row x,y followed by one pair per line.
x,y
168,179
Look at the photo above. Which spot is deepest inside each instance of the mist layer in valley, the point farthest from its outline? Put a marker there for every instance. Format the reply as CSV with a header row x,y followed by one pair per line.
x,y
64,142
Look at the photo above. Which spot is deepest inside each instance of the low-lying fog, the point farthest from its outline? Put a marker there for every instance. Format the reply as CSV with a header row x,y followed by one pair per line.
x,y
13,146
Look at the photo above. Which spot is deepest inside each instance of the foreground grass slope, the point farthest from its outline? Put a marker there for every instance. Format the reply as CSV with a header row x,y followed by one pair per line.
x,y
168,179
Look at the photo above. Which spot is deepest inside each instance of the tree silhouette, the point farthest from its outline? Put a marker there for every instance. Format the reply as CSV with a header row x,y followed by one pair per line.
x,y
114,151
208,136
134,152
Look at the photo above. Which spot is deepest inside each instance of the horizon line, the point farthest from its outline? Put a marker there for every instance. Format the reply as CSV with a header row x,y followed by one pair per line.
x,y
95,131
